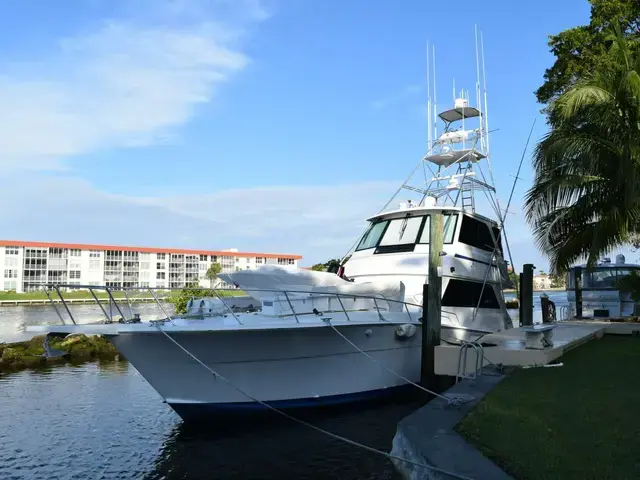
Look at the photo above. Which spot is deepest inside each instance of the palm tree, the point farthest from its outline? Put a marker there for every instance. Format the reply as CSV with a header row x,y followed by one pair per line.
x,y
585,200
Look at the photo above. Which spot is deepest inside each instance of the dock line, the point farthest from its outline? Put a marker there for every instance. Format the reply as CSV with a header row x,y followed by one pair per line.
x,y
451,400
307,424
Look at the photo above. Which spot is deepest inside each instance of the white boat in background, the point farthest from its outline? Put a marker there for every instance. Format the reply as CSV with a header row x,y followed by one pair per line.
x,y
320,338
601,296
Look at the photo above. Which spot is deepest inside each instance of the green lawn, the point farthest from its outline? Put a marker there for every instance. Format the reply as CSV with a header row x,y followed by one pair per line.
x,y
578,421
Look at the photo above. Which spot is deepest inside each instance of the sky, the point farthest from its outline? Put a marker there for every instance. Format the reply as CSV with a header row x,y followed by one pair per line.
x,y
263,125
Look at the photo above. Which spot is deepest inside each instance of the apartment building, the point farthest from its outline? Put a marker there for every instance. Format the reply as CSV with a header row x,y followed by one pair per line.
x,y
27,265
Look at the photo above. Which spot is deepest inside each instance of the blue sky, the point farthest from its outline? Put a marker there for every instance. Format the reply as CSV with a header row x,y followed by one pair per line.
x,y
265,126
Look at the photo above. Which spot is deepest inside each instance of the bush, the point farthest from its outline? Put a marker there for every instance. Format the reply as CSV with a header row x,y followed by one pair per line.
x,y
512,304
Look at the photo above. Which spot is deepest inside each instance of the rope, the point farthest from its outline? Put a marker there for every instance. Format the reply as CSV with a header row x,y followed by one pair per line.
x,y
450,400
302,422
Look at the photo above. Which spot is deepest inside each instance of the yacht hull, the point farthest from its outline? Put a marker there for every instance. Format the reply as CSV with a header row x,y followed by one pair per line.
x,y
307,366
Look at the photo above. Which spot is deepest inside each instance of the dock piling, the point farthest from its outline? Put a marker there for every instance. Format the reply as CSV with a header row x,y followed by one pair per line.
x,y
578,290
432,303
526,295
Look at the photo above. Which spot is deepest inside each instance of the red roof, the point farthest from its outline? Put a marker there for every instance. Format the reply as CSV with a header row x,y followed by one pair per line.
x,y
83,246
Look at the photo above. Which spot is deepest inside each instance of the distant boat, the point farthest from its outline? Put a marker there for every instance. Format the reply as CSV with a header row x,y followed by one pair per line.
x,y
601,296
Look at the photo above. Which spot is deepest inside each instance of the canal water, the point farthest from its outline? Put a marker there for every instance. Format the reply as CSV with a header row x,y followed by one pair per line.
x,y
103,421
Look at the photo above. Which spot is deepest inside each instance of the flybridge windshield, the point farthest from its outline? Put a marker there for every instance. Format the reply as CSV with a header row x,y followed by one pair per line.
x,y
404,233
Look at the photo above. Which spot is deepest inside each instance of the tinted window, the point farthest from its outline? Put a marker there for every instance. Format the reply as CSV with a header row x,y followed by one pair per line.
x,y
449,226
461,293
372,236
476,234
401,231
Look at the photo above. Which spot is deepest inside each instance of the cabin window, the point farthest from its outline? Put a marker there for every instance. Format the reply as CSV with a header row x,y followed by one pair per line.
x,y
449,225
462,293
569,279
476,234
372,236
601,279
400,235
401,231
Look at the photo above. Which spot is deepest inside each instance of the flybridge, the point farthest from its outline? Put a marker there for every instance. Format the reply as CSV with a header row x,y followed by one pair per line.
x,y
457,163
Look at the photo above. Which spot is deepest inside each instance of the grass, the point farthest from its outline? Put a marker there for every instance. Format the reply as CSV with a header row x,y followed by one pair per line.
x,y
576,421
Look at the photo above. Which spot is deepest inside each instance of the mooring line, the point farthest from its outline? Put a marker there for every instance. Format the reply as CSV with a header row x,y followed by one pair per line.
x,y
450,400
307,424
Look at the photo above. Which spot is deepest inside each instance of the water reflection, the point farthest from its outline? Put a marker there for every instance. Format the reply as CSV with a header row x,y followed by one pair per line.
x,y
272,447
102,420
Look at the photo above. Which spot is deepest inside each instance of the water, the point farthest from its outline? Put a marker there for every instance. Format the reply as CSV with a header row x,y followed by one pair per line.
x,y
105,421
102,420
559,297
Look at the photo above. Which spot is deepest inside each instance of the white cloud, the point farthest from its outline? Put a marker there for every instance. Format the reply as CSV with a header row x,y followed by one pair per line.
x,y
318,222
126,83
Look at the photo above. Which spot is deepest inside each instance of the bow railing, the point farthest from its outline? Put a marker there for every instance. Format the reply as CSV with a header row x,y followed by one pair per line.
x,y
119,301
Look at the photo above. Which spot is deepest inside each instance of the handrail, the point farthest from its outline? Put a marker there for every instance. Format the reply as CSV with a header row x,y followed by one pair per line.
x,y
216,292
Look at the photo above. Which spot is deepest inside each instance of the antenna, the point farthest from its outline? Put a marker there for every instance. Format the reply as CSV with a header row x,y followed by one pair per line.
x,y
454,89
428,102
478,97
435,99
486,103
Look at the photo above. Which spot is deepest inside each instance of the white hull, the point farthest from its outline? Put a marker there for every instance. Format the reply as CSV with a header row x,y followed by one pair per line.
x,y
278,361
280,365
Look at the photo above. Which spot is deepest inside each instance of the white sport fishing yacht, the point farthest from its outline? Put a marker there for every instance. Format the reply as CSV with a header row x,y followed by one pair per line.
x,y
319,338
601,295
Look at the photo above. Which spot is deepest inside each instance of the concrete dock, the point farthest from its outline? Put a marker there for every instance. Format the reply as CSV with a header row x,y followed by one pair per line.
x,y
427,436
508,348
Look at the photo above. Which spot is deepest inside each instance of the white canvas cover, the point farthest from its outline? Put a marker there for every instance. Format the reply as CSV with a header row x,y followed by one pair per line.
x,y
269,278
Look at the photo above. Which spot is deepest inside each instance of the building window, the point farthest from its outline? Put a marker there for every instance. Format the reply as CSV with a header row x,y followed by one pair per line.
x,y
160,266
145,256
160,275
11,250
94,264
74,274
11,274
214,258
75,252
10,286
461,293
292,261
94,253
74,265
161,256
203,267
203,258
144,275
145,265
10,262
